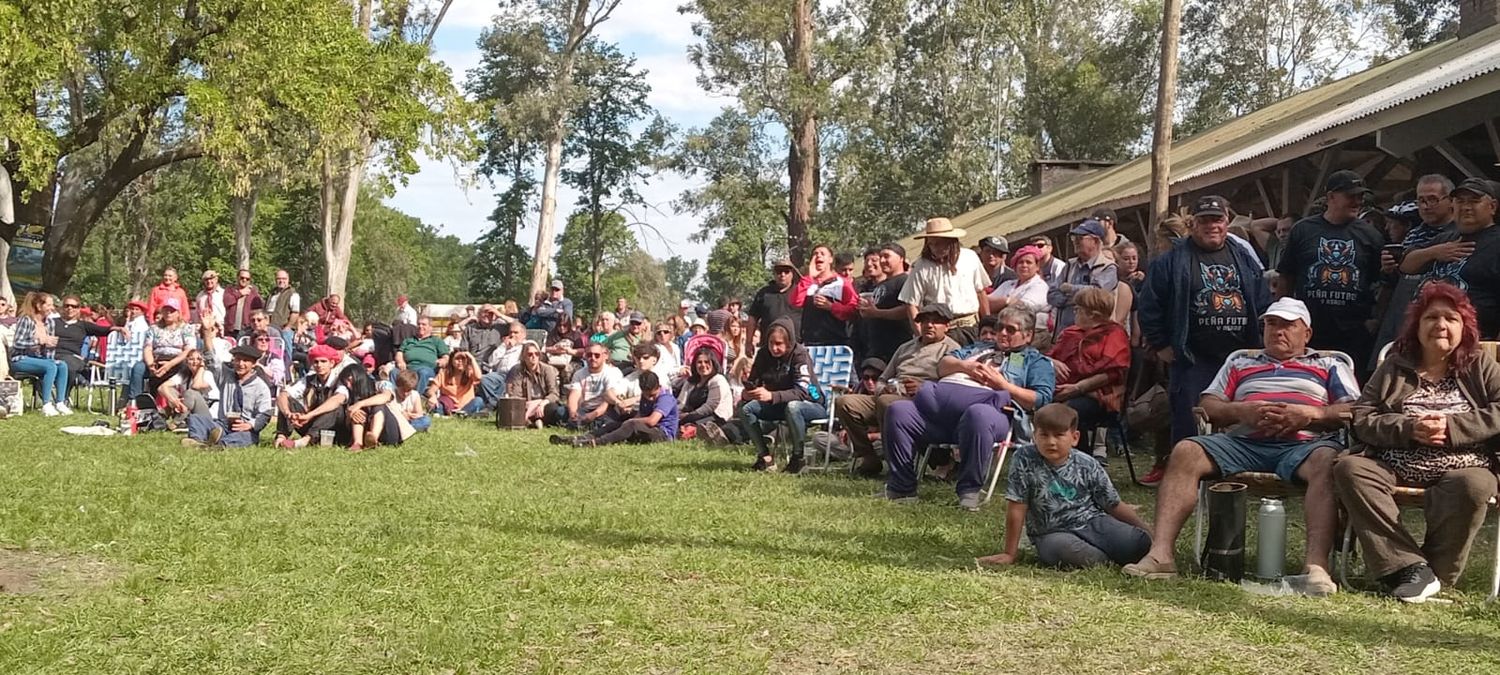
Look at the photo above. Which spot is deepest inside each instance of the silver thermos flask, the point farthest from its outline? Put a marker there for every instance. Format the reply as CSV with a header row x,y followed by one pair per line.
x,y
1270,551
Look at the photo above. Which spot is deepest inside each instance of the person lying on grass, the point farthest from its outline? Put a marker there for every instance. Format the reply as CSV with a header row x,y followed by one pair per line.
x,y
1070,508
655,420
313,404
245,410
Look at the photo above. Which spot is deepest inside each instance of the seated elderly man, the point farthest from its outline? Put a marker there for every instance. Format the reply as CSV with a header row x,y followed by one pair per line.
x,y
913,363
967,405
1284,402
484,333
503,359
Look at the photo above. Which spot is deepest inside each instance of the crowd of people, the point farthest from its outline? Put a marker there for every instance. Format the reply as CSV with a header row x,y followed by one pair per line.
x,y
1268,326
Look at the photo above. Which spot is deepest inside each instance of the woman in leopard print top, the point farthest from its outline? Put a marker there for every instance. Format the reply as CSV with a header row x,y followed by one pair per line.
x,y
1429,418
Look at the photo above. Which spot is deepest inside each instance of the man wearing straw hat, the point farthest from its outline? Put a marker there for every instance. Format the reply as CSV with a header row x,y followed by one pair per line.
x,y
948,274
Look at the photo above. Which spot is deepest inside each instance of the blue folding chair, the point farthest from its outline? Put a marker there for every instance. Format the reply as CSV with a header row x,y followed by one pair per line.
x,y
833,366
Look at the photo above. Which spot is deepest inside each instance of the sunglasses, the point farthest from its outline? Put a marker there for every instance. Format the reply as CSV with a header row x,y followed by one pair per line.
x,y
71,306
1009,329
596,355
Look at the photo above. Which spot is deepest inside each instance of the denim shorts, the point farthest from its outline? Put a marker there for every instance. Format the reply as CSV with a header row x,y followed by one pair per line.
x,y
1237,454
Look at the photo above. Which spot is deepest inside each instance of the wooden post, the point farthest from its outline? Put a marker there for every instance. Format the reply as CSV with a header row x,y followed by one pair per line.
x,y
1166,104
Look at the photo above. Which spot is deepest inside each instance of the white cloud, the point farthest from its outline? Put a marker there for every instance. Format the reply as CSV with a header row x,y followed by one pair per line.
x,y
655,20
471,14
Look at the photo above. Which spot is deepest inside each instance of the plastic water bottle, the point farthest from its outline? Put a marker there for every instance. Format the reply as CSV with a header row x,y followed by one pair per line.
x,y
1270,550
128,425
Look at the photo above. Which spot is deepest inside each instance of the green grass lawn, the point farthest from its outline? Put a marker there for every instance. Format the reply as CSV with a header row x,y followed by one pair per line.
x,y
474,551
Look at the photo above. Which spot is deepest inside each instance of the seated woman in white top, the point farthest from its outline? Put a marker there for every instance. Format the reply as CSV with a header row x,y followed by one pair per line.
x,y
193,390
1028,289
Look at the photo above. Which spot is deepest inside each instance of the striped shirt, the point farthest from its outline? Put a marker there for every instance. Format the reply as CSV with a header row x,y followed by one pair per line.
x,y
1314,379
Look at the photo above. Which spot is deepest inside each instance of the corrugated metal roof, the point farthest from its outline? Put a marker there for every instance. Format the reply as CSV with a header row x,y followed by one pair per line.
x,y
1379,92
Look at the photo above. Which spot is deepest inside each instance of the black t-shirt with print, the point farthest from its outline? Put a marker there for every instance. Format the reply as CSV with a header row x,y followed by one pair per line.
x,y
1217,313
883,336
1334,269
1478,275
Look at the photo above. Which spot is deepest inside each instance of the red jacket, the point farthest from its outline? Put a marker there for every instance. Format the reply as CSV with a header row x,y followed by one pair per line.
x,y
161,294
1103,349
825,326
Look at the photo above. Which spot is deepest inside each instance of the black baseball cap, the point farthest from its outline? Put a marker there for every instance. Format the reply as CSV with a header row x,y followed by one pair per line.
x,y
996,242
1478,186
1346,181
1211,205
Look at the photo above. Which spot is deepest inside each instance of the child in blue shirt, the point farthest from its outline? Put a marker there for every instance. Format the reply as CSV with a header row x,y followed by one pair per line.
x,y
655,419
1071,510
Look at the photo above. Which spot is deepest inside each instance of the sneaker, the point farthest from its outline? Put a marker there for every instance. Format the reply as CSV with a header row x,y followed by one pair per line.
x,y
712,433
897,497
795,465
49,410
970,501
868,467
764,463
1413,583
584,441
214,435
62,408
556,439
1151,569
1154,476
191,443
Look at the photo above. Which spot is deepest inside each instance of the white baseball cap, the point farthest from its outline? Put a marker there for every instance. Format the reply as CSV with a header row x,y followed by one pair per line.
x,y
1290,309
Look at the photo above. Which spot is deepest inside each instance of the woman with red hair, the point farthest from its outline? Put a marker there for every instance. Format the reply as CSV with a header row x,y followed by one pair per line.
x,y
1429,417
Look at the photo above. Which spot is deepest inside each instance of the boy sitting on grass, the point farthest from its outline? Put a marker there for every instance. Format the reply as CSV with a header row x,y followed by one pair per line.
x,y
1070,508
655,419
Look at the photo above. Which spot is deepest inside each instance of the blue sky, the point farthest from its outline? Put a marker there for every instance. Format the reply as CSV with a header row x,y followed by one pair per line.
x,y
658,36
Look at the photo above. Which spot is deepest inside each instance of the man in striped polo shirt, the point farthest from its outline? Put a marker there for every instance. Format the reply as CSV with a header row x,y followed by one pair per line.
x,y
1282,404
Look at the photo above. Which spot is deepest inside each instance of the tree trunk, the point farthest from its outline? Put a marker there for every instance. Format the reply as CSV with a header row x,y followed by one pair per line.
x,y
242,212
5,289
1166,103
341,194
541,266
802,157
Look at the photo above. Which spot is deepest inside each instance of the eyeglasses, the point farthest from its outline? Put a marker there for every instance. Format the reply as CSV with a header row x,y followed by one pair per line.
x,y
244,278
265,340
1429,200
664,331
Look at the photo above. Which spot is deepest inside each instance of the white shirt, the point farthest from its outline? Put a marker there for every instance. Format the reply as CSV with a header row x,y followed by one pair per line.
x,y
504,359
594,385
211,395
1032,295
212,302
929,283
406,314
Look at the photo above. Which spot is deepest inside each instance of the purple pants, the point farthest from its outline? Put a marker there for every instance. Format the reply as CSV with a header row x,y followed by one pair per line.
x,y
944,412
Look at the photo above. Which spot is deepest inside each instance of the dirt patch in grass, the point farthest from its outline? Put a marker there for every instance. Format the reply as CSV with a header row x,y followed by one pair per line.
x,y
31,572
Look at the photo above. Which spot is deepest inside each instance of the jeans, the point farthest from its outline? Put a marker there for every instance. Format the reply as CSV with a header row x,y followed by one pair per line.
x,y
137,380
796,414
1101,541
492,387
448,406
52,376
422,423
633,430
1185,386
424,375
199,426
944,412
